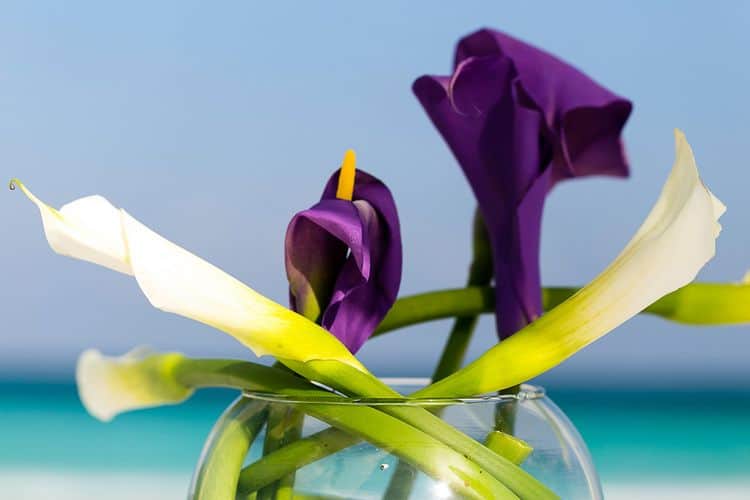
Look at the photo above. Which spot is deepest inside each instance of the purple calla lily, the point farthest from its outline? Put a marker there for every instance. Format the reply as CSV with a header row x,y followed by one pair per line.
x,y
518,120
343,259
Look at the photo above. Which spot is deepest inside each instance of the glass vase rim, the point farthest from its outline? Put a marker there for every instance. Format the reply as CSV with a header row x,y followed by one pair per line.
x,y
526,392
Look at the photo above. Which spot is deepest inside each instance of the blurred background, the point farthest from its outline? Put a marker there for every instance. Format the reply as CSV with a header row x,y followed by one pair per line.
x,y
215,123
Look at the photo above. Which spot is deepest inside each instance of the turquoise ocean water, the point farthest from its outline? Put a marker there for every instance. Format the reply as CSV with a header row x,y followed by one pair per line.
x,y
634,436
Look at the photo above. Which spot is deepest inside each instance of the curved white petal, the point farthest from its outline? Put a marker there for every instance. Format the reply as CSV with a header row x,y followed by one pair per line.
x,y
86,229
177,281
677,238
141,378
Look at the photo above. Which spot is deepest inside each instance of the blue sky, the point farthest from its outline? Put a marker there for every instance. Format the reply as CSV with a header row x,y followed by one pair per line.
x,y
213,124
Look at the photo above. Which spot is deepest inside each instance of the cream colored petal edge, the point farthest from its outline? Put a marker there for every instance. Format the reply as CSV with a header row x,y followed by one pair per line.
x,y
86,229
179,282
675,241
139,379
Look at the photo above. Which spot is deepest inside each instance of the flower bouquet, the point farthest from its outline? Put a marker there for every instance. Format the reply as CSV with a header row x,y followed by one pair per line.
x,y
518,121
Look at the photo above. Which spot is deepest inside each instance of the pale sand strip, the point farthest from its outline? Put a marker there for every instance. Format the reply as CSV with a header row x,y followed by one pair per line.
x,y
22,484
63,485
732,489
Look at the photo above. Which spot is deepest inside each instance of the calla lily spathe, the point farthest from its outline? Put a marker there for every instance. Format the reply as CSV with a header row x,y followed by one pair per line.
x,y
343,258
174,280
519,120
110,385
675,241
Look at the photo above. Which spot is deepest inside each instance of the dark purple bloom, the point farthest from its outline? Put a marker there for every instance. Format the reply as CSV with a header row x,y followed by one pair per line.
x,y
518,121
343,259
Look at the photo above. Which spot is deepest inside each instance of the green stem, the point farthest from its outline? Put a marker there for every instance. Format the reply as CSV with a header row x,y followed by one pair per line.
x,y
693,304
321,445
480,274
440,304
401,483
291,457
230,441
505,412
454,351
302,496
284,425
354,382
440,461
509,446
505,425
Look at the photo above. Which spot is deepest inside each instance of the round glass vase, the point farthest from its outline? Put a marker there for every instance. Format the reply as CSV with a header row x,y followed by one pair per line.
x,y
277,447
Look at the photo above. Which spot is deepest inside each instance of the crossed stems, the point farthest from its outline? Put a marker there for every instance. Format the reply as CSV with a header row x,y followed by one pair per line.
x,y
687,305
411,433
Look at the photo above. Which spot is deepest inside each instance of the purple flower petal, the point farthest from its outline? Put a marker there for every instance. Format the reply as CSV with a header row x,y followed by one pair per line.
x,y
584,118
518,120
345,256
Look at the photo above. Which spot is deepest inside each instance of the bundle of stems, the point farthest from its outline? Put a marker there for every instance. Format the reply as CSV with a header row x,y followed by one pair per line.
x,y
347,428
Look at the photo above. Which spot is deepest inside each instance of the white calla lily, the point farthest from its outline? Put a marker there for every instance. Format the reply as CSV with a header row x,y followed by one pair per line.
x,y
141,378
177,281
675,241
